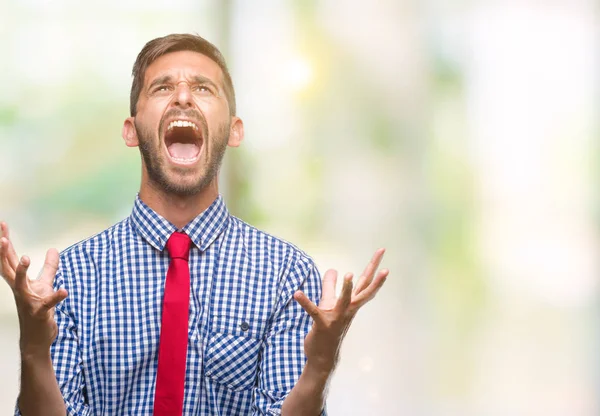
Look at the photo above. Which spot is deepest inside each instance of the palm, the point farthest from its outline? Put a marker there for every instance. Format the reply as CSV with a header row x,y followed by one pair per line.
x,y
333,316
38,292
35,299
40,289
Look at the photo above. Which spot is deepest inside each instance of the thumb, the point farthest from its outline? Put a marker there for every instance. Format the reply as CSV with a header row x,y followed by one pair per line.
x,y
307,305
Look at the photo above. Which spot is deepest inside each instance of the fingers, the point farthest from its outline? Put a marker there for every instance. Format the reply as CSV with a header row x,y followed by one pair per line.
x,y
327,300
346,295
5,268
307,304
50,266
367,275
54,299
370,292
13,258
8,258
12,254
21,274
4,232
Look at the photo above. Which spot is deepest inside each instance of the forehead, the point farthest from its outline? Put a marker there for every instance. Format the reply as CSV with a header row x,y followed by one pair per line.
x,y
182,65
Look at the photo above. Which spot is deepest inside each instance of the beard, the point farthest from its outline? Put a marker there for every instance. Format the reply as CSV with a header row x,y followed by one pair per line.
x,y
154,161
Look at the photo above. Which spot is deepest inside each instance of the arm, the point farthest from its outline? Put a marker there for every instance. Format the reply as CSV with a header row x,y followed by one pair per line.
x,y
35,301
40,394
282,354
332,319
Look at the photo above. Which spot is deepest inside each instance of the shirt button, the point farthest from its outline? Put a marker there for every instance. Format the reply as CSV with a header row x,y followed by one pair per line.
x,y
244,325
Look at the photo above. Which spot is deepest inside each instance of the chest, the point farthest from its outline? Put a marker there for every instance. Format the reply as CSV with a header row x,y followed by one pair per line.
x,y
232,301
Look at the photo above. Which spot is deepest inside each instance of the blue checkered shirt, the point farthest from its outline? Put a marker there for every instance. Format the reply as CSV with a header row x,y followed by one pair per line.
x,y
246,333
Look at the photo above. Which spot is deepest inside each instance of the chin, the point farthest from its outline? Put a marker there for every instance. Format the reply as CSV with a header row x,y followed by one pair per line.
x,y
182,186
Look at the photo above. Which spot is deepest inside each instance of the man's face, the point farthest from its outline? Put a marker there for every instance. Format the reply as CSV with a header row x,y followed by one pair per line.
x,y
182,124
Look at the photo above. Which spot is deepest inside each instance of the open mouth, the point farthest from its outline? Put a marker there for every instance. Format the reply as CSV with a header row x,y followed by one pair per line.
x,y
183,140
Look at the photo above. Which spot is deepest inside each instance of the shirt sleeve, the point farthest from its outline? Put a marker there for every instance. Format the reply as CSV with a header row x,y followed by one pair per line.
x,y
66,359
282,354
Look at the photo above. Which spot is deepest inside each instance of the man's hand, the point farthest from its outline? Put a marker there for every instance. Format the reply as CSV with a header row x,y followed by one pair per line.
x,y
333,316
35,299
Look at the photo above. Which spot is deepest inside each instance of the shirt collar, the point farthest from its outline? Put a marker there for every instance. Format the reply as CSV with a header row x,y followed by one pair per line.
x,y
202,230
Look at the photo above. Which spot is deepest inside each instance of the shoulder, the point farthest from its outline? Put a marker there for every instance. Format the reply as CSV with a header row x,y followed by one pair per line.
x,y
289,266
258,243
82,263
92,248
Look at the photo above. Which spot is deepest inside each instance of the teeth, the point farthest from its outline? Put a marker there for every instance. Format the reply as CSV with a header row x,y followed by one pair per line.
x,y
182,123
181,160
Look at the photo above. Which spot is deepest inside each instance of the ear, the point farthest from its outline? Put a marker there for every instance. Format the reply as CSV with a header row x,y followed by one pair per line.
x,y
236,132
129,133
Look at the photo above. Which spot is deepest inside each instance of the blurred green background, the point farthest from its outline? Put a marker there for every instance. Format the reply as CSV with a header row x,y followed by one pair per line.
x,y
460,135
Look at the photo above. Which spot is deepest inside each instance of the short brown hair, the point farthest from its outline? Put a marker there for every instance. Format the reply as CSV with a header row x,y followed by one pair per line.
x,y
175,43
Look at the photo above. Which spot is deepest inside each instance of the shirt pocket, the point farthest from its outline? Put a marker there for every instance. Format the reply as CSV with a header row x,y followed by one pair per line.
x,y
232,355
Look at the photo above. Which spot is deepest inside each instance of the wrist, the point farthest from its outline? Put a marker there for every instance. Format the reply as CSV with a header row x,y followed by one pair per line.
x,y
310,392
320,370
34,353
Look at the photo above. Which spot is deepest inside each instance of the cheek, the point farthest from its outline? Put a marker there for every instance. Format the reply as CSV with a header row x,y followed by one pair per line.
x,y
150,122
213,108
145,132
152,109
216,118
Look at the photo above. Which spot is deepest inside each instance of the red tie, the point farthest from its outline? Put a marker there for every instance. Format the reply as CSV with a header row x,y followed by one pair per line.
x,y
172,351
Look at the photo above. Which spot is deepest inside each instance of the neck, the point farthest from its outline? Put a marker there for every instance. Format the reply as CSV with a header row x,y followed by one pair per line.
x,y
179,210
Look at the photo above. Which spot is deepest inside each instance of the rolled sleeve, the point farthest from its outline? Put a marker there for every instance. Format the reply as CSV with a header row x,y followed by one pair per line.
x,y
282,355
66,359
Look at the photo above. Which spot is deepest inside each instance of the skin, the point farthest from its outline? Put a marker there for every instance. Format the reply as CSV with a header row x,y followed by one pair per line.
x,y
35,301
179,192
182,97
331,321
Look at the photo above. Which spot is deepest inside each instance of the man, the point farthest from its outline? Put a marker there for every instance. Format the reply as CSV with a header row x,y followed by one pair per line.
x,y
180,308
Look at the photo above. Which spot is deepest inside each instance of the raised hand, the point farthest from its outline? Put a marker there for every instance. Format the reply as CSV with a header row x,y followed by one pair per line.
x,y
333,316
35,299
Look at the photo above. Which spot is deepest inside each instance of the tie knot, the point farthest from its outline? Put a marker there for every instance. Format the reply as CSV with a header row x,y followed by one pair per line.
x,y
178,246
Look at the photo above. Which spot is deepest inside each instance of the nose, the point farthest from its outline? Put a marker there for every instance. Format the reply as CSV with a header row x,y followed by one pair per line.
x,y
183,96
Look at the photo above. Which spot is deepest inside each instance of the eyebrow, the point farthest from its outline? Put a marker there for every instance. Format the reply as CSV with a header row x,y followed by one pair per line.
x,y
198,79
160,80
